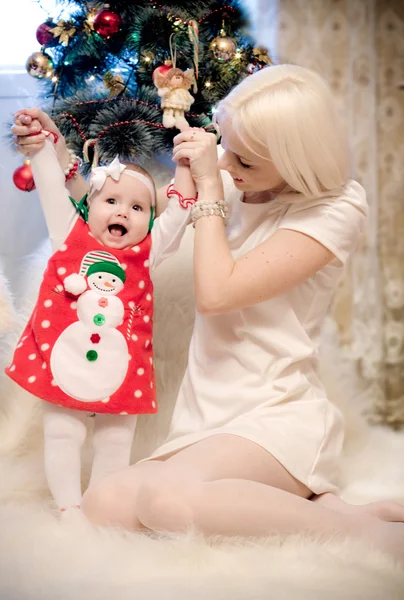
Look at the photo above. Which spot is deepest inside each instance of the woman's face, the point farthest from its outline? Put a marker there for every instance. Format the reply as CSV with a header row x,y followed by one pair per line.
x,y
250,172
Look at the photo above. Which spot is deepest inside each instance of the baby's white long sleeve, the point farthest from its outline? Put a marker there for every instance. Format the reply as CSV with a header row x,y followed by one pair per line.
x,y
168,231
60,214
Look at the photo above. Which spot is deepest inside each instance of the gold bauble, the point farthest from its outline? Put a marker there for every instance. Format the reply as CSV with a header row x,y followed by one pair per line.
x,y
223,48
39,65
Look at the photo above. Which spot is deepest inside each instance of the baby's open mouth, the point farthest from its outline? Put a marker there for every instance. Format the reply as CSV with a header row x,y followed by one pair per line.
x,y
117,230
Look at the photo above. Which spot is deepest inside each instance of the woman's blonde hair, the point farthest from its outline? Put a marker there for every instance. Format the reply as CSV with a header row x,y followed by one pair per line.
x,y
288,113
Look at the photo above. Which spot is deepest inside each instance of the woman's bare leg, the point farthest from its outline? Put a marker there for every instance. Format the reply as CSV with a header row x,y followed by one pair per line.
x,y
384,510
227,485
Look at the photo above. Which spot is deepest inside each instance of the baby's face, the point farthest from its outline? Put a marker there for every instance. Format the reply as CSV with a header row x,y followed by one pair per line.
x,y
119,214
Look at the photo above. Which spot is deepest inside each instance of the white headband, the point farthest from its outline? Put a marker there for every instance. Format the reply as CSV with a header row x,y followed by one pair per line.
x,y
115,170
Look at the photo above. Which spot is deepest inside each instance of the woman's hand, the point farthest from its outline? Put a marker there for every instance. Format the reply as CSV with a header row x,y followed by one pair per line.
x,y
32,120
199,149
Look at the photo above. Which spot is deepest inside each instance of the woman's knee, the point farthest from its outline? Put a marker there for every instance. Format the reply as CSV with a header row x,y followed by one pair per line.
x,y
106,503
166,503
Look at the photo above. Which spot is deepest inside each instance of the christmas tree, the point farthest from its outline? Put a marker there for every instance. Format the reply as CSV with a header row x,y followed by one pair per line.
x,y
100,69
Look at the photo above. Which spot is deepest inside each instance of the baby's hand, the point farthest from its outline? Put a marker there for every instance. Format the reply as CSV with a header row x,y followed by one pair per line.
x,y
29,121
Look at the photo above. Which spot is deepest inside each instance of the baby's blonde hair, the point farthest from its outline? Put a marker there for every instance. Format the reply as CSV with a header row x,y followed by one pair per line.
x,y
288,113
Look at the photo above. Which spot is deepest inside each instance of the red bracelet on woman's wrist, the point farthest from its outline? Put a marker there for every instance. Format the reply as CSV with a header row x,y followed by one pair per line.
x,y
46,134
184,202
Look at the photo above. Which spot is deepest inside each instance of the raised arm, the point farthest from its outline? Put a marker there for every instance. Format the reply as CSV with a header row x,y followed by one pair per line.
x,y
170,226
59,212
305,242
25,125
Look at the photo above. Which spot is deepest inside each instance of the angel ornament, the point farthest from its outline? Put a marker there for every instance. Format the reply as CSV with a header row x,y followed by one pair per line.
x,y
175,99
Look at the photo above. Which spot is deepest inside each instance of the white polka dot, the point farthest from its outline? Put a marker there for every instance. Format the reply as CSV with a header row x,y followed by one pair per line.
x,y
19,345
138,394
12,368
47,303
45,324
61,271
105,400
53,382
59,288
151,385
134,337
140,371
148,297
146,318
123,413
153,404
141,284
147,343
32,357
146,263
136,248
44,365
124,267
63,248
73,305
24,338
131,304
31,379
45,347
150,360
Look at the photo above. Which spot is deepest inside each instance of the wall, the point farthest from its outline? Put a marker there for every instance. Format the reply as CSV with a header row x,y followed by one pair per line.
x,y
22,224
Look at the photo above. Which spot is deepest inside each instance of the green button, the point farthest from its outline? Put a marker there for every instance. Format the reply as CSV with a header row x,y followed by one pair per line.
x,y
99,319
92,355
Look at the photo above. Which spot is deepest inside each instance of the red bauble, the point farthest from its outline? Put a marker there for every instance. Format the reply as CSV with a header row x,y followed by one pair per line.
x,y
106,23
23,178
163,69
44,35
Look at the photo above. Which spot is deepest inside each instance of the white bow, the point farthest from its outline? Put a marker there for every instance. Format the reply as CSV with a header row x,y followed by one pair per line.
x,y
99,174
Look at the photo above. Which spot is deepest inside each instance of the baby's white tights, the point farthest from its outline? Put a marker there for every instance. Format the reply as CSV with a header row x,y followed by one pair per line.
x,y
64,434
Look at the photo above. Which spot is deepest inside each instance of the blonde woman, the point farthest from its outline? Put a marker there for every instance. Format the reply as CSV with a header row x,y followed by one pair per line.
x,y
254,442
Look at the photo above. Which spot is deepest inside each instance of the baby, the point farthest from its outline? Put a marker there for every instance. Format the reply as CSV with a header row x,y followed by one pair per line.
x,y
88,344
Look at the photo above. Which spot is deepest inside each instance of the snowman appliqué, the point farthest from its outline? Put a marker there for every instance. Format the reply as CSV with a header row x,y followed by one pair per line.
x,y
89,360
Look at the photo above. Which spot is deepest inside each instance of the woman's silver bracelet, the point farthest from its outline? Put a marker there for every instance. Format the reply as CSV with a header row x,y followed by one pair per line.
x,y
208,209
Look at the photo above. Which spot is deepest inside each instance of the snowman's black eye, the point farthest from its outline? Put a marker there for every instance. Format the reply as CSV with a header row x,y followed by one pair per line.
x,y
113,281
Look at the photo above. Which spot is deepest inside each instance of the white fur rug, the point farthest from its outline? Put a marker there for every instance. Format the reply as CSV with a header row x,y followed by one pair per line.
x,y
43,558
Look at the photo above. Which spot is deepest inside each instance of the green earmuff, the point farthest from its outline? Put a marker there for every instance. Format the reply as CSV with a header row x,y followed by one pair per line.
x,y
81,207
151,221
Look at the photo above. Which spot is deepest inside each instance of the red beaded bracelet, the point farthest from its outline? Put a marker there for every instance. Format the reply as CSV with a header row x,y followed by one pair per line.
x,y
184,202
74,168
72,171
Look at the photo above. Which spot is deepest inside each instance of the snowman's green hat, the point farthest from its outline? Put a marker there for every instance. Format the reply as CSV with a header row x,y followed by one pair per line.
x,y
107,267
96,261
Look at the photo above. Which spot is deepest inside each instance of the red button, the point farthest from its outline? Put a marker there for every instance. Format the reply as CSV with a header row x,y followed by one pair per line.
x,y
95,338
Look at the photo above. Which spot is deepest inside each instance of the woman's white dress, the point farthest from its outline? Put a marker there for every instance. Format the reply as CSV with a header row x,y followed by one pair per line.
x,y
253,372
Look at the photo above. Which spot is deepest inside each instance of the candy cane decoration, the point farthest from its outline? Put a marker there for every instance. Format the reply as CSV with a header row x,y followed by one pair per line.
x,y
193,33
